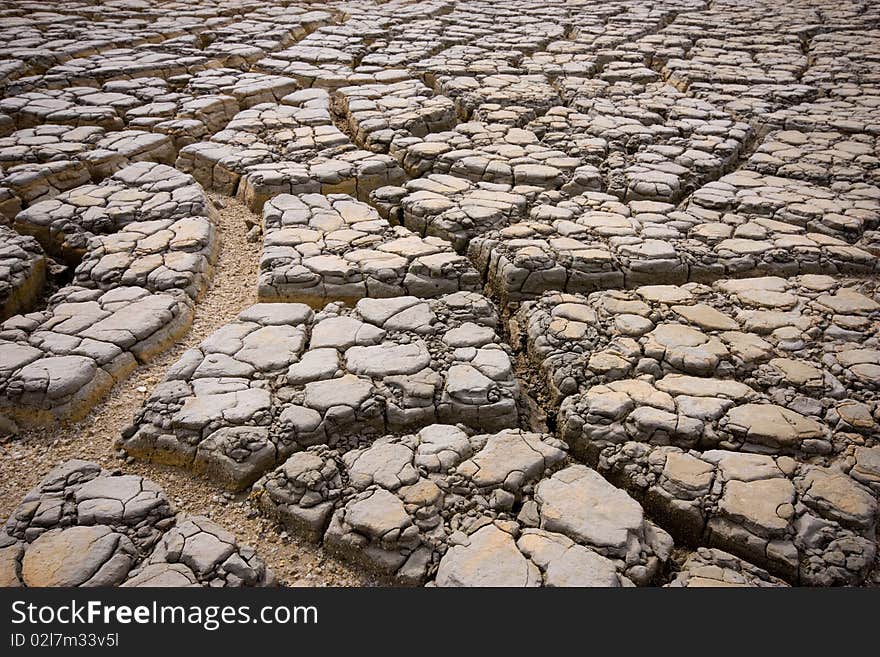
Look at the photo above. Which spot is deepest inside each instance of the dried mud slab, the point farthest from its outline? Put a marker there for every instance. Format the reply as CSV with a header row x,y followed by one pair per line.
x,y
84,526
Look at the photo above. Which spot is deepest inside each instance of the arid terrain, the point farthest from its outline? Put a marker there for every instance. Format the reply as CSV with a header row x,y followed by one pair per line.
x,y
561,293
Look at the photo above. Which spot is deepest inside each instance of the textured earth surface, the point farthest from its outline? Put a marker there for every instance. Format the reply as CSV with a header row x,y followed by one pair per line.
x,y
560,293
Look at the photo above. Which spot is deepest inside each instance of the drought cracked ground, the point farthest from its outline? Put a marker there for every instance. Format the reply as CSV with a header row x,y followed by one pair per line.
x,y
559,293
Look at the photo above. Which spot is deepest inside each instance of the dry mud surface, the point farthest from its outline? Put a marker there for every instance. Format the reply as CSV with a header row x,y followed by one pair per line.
x,y
440,293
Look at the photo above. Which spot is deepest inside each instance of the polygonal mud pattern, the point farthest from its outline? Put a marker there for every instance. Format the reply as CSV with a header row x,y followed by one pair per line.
x,y
501,242
144,250
333,248
282,378
83,526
